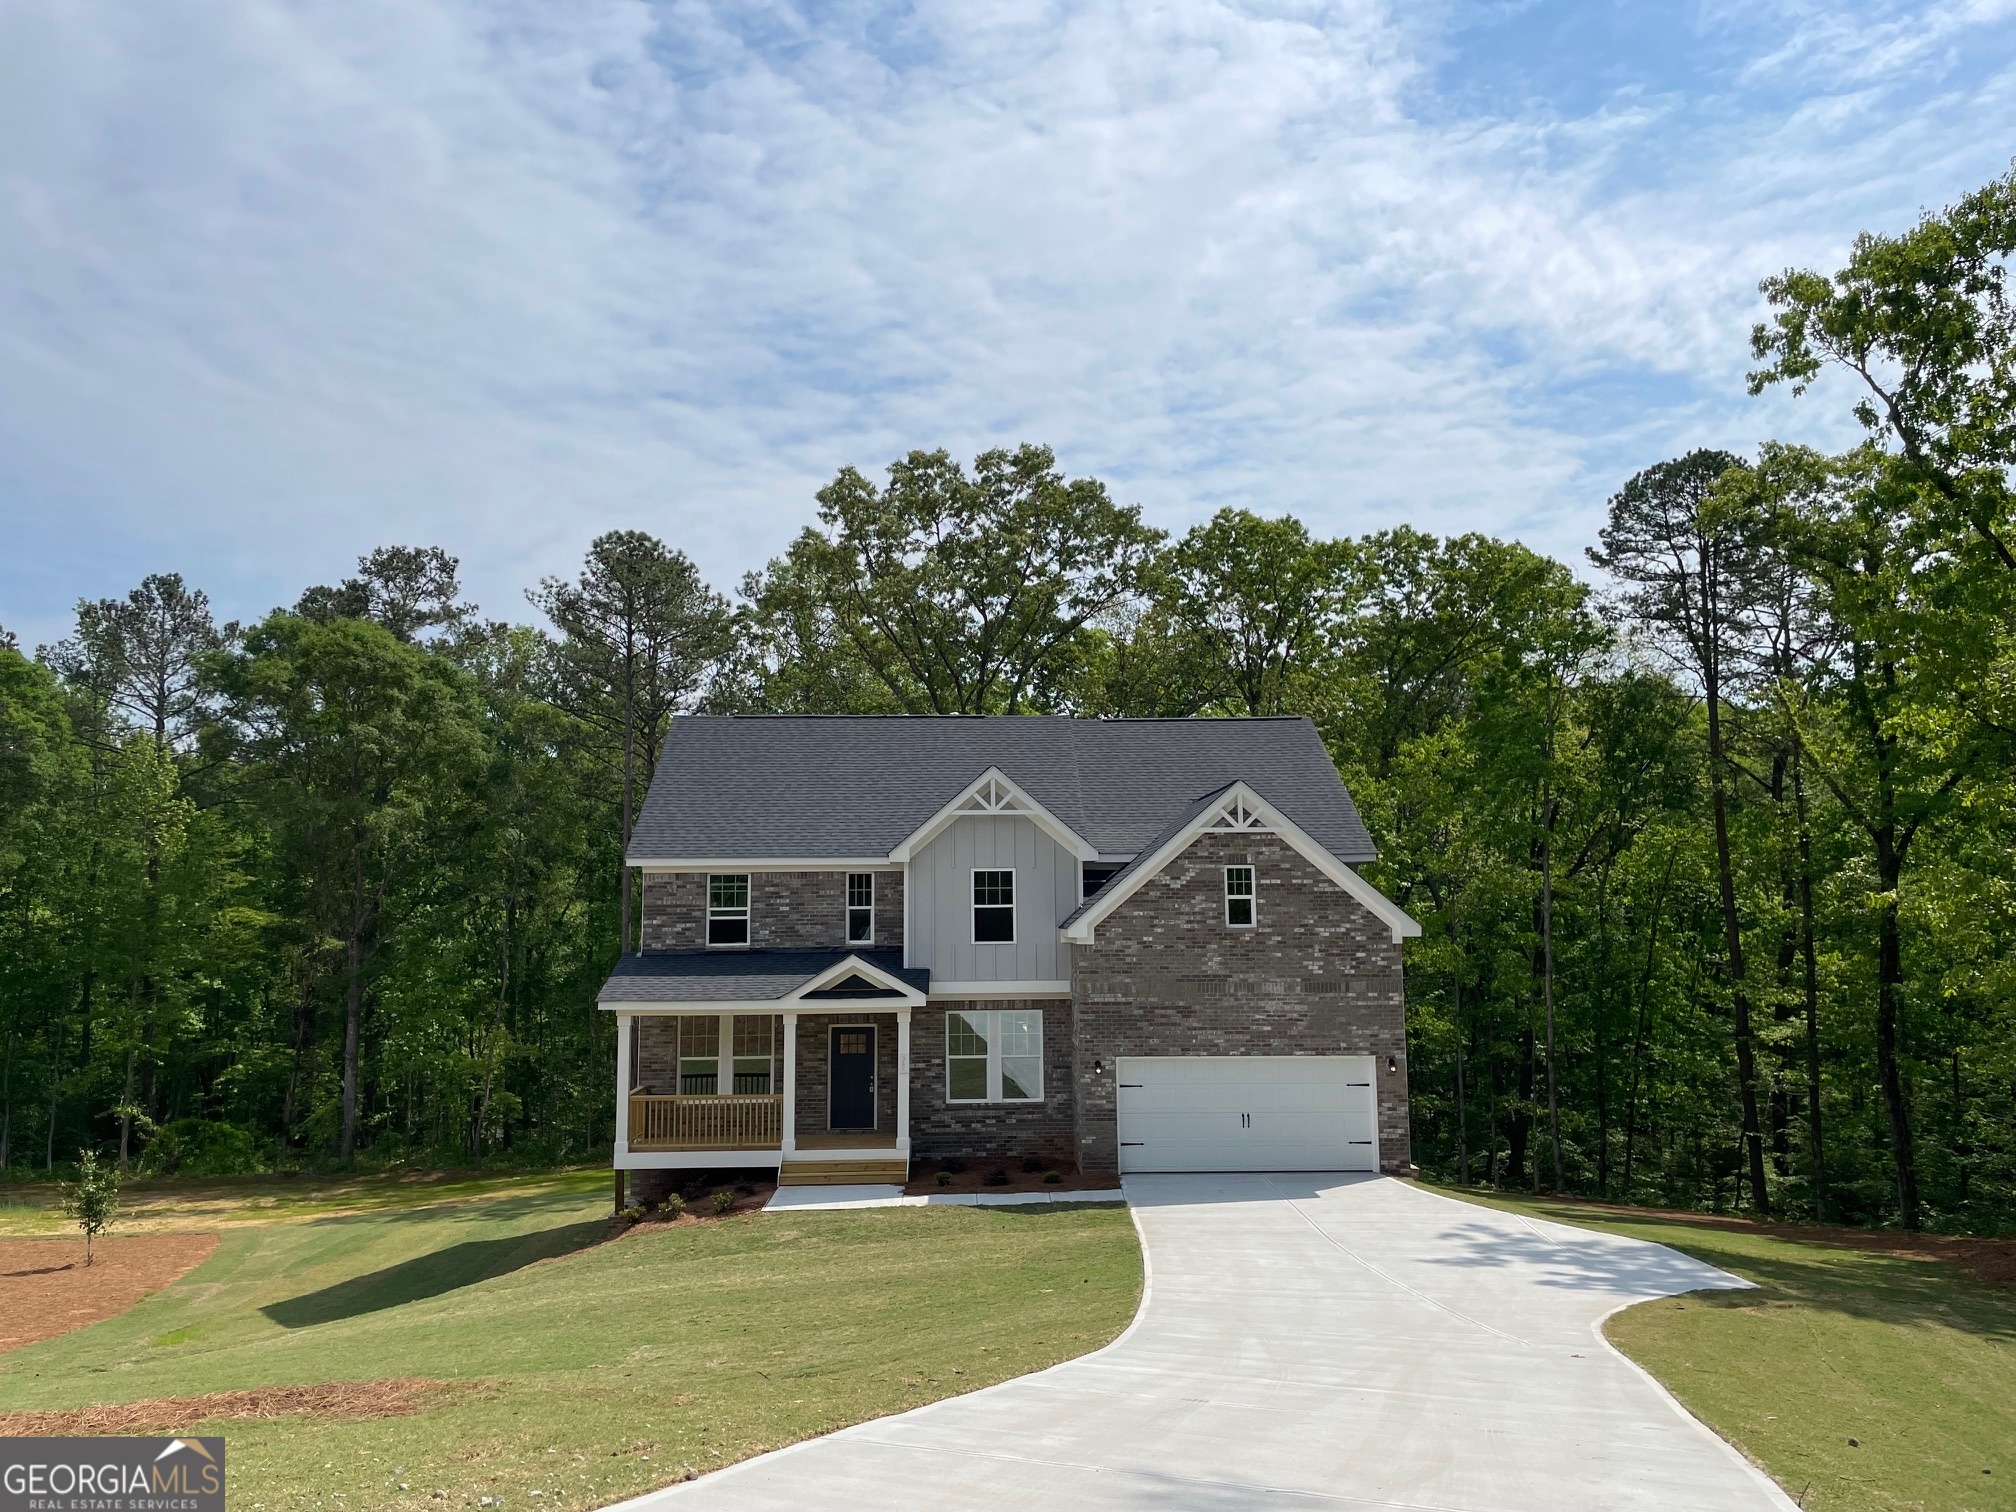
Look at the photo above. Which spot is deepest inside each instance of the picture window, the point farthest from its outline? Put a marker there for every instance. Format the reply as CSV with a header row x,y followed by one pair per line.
x,y
994,1056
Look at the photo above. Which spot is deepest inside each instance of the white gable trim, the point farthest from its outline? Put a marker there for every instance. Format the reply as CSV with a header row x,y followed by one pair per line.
x,y
1240,810
993,793
853,965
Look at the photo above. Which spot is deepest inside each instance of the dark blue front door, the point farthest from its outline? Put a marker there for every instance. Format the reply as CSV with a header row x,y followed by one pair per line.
x,y
853,1094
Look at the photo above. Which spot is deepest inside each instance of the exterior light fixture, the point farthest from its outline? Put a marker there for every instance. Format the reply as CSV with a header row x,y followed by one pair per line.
x,y
1098,1068
1392,1064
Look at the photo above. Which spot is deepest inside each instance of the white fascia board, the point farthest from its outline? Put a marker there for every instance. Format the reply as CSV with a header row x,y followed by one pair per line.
x,y
689,1005
968,991
1083,930
853,965
760,863
1030,809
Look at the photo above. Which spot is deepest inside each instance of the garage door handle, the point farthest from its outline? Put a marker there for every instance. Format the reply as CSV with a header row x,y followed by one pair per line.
x,y
1357,1084
1132,1144
1137,1086
1358,1141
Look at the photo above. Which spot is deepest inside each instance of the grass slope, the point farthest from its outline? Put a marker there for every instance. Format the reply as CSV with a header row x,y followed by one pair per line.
x,y
607,1370
1909,1357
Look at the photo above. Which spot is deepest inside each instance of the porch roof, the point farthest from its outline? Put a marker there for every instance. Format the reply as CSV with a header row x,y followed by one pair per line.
x,y
741,976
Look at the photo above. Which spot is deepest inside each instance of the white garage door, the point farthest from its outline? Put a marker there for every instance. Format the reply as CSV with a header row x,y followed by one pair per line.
x,y
1248,1113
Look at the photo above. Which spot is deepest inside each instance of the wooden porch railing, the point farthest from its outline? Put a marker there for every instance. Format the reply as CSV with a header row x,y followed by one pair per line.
x,y
706,1123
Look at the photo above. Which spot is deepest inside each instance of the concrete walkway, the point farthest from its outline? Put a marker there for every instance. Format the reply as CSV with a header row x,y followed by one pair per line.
x,y
1309,1342
818,1199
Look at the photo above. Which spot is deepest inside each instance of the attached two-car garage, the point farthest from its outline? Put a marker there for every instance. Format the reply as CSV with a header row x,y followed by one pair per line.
x,y
1248,1113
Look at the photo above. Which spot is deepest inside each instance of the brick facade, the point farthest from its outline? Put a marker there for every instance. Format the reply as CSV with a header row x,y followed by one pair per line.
x,y
1318,975
940,1129
787,910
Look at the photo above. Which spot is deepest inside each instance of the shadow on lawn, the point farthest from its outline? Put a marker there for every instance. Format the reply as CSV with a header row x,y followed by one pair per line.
x,y
430,1275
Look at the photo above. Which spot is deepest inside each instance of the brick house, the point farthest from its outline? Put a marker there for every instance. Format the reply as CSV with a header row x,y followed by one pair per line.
x,y
1133,945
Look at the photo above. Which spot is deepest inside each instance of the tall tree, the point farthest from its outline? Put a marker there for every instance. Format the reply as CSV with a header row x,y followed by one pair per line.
x,y
407,589
958,593
1688,576
143,653
641,635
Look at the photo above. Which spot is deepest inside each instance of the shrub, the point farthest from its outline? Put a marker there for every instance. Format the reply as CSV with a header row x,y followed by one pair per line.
x,y
1031,1164
944,1178
1054,1178
672,1206
632,1213
201,1147
996,1177
724,1202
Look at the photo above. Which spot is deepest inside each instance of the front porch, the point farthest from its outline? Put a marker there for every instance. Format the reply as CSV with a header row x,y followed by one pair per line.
x,y
816,1086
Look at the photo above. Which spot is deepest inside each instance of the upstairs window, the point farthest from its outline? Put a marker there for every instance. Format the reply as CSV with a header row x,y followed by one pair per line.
x,y
728,910
861,908
1238,897
994,908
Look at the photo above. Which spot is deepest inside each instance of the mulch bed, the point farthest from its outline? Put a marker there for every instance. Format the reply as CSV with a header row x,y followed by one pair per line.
x,y
924,1179
45,1289
395,1396
1990,1260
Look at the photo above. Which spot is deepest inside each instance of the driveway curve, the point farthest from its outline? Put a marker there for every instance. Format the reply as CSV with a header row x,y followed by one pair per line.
x,y
1320,1341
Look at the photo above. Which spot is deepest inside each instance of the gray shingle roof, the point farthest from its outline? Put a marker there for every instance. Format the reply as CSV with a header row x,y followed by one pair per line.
x,y
735,976
757,786
1168,833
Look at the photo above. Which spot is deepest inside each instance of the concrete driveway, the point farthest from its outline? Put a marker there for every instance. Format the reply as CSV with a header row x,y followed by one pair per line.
x,y
1339,1341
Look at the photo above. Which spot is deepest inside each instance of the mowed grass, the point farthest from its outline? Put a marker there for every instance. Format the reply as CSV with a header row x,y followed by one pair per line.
x,y
600,1370
1911,1358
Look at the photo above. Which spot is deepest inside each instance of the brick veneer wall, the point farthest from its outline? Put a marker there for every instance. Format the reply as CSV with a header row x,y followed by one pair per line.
x,y
657,1065
815,1045
940,1129
787,910
1319,975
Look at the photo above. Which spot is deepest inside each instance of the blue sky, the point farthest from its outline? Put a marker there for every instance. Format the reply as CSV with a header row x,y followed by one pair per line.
x,y
283,281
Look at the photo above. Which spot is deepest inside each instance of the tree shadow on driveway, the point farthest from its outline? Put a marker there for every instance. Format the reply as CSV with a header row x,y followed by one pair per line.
x,y
432,1274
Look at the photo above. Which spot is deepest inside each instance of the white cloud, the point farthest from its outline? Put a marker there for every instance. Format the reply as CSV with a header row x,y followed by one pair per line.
x,y
279,281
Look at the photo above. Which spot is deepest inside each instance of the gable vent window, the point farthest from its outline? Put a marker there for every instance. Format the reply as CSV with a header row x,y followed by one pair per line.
x,y
728,910
1239,897
861,908
994,908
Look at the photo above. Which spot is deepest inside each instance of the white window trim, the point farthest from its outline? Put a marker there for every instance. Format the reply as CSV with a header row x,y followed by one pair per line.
x,y
849,905
1013,905
992,1029
1252,898
744,913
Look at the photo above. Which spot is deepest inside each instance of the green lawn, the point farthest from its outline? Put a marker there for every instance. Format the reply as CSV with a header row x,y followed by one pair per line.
x,y
1912,1358
608,1369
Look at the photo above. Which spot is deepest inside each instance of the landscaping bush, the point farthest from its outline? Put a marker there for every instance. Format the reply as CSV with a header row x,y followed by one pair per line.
x,y
200,1147
1031,1164
724,1202
996,1177
944,1178
672,1206
632,1213
1054,1178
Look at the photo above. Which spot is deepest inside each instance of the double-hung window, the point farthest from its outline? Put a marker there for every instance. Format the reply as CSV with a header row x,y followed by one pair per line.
x,y
1239,897
993,907
861,908
755,1051
699,1056
728,910
994,1055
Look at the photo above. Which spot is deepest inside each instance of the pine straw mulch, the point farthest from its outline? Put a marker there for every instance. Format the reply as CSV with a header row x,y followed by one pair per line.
x,y
1989,1260
46,1289
394,1396
924,1179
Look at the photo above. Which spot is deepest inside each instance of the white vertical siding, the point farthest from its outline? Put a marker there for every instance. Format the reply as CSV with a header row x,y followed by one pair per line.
x,y
940,893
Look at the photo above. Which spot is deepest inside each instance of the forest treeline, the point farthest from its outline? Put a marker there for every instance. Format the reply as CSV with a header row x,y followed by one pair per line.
x,y
1710,840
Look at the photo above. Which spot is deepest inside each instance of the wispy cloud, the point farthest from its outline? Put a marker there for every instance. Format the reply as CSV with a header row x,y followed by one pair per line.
x,y
282,281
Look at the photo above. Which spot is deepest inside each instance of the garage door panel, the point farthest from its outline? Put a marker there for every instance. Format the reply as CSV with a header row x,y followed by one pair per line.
x,y
1247,1113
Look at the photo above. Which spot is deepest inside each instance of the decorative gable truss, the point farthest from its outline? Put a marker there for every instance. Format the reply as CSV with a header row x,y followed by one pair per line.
x,y
993,793
1235,810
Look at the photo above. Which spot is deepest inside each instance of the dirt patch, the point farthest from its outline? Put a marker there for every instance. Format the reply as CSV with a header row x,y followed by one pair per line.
x,y
975,1178
1990,1260
395,1396
46,1289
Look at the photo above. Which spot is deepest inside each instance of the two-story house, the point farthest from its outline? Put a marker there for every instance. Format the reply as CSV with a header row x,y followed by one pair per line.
x,y
1136,945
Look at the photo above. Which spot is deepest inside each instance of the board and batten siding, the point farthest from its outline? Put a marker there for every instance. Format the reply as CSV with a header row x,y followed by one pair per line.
x,y
941,902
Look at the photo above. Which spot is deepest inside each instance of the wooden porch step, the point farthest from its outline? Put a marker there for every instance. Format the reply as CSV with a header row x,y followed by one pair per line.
x,y
844,1172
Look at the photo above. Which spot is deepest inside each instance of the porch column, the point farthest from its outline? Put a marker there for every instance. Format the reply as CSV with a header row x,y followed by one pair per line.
x,y
903,1081
624,1080
790,1142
